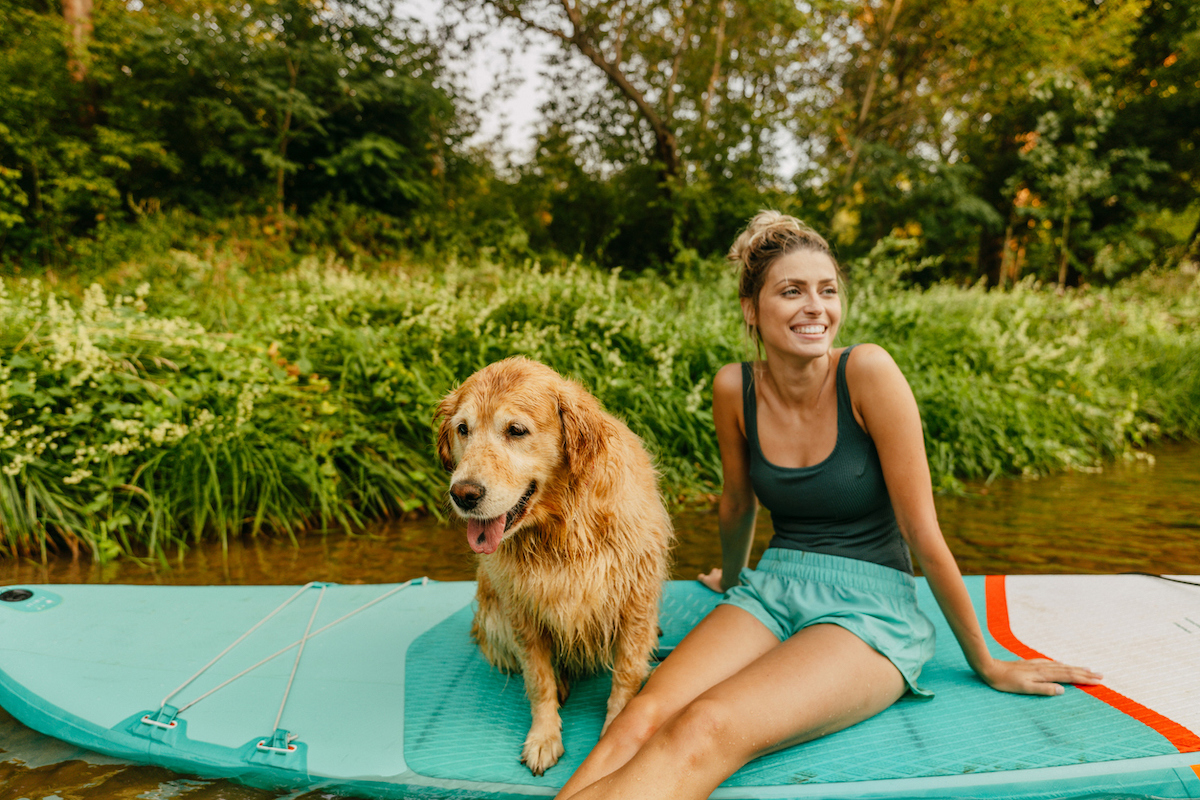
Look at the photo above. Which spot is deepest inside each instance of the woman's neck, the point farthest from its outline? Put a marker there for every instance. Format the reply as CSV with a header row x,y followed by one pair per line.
x,y
799,383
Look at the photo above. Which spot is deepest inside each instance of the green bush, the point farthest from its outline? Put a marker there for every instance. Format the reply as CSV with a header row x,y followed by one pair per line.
x,y
194,398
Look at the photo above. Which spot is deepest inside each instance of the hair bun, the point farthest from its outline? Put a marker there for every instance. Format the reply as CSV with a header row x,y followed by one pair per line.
x,y
767,226
769,235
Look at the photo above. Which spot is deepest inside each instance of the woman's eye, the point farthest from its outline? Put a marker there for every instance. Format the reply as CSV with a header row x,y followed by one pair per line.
x,y
516,430
462,429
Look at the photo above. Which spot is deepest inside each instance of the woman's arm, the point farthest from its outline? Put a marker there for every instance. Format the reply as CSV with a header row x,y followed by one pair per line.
x,y
888,411
739,506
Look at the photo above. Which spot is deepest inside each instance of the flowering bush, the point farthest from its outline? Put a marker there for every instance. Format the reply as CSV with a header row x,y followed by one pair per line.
x,y
206,402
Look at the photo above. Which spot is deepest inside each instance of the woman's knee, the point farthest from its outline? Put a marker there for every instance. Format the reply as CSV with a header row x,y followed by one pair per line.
x,y
703,730
639,720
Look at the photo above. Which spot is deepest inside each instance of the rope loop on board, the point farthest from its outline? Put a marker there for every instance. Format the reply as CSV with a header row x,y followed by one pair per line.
x,y
280,741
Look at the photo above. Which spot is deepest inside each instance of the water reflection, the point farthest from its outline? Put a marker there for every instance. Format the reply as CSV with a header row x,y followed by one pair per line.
x,y
1136,516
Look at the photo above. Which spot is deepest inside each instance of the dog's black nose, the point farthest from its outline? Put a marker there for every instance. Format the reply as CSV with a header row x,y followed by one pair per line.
x,y
466,494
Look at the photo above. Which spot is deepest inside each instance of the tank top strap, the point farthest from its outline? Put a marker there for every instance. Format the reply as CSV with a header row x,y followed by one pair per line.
x,y
845,409
749,406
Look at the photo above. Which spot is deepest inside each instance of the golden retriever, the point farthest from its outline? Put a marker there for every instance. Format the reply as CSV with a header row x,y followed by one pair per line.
x,y
562,506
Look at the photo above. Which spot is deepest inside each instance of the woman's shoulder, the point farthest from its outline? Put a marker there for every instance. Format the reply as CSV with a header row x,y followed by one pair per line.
x,y
867,360
727,384
872,376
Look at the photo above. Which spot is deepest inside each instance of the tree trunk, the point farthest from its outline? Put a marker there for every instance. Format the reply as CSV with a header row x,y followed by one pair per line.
x,y
865,109
665,143
706,110
78,16
1009,246
669,111
281,171
35,174
1062,266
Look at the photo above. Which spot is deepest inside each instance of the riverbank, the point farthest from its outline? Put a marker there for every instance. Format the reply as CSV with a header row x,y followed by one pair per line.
x,y
1138,515
188,399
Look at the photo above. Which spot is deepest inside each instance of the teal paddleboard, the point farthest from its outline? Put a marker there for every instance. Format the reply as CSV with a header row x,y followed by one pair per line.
x,y
379,690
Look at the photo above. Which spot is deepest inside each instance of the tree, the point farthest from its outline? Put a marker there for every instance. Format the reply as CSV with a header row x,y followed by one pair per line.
x,y
1064,165
691,110
60,172
923,89
299,85
214,108
1157,96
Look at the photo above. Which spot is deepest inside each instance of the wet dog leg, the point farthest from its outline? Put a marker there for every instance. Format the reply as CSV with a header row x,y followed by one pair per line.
x,y
492,630
631,665
543,745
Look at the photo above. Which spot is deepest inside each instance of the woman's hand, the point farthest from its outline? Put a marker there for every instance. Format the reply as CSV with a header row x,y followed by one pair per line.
x,y
1035,676
712,580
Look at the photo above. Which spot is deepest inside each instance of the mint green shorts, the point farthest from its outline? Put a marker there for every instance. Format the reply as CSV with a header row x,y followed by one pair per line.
x,y
792,589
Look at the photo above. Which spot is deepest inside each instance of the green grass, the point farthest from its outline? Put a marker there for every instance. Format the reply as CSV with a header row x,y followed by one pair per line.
x,y
192,398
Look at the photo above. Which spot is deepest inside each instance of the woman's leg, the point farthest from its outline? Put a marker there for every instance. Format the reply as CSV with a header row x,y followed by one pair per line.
x,y
722,644
821,680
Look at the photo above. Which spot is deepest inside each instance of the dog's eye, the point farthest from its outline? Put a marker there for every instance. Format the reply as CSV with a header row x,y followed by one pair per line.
x,y
462,429
517,430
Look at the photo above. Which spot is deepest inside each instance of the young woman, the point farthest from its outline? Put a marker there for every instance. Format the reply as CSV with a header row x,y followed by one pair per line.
x,y
825,632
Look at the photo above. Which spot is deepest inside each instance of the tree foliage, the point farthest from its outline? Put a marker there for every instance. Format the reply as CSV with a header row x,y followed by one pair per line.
x,y
210,107
1003,137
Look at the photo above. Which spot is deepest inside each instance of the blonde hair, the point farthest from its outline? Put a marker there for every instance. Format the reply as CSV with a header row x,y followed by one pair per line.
x,y
771,235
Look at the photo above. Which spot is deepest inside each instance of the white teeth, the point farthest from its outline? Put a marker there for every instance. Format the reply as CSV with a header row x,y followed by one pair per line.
x,y
809,329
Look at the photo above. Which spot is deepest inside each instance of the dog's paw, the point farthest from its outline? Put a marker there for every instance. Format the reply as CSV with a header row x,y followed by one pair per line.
x,y
541,752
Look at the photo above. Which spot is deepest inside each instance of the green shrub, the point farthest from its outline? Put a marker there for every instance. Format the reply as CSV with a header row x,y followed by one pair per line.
x,y
195,398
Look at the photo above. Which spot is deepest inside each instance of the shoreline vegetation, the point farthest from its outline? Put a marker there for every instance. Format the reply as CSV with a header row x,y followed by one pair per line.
x,y
195,396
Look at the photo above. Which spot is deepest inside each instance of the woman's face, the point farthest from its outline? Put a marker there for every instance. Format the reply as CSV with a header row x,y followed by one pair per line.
x,y
799,306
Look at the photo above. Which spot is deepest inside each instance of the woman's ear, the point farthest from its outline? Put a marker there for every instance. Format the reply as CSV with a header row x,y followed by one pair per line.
x,y
583,429
445,410
749,314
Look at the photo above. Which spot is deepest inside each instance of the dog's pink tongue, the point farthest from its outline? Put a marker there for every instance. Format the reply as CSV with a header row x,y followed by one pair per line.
x,y
484,535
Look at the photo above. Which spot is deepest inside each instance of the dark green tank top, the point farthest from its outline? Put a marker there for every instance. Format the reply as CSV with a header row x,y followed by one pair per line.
x,y
840,506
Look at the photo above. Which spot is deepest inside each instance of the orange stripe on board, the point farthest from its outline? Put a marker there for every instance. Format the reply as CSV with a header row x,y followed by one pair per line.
x,y
998,625
1196,769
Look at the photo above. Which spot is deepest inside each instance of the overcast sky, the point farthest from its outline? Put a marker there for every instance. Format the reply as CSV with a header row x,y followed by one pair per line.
x,y
510,113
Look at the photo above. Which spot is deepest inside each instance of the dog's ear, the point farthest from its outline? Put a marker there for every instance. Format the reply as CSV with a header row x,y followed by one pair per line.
x,y
445,410
582,428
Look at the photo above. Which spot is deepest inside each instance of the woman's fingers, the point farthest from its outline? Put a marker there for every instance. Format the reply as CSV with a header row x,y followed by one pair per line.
x,y
1040,676
711,579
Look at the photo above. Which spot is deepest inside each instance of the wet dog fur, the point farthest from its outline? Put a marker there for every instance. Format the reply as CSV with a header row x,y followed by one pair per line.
x,y
562,505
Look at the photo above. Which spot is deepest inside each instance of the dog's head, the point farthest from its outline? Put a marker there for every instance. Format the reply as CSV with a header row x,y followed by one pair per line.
x,y
514,434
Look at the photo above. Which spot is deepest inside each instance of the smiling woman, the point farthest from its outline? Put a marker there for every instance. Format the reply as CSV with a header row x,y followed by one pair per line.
x,y
826,631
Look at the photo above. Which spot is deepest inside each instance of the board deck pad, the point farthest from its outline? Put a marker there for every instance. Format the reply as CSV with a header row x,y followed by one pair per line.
x,y
396,700
452,697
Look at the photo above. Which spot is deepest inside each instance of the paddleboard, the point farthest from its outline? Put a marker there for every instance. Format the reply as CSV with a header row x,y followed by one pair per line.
x,y
379,691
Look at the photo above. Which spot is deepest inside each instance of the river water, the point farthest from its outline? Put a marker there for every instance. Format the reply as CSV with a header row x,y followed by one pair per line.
x,y
1139,515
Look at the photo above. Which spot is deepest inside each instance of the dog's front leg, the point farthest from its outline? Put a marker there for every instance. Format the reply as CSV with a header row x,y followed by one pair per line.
x,y
543,745
631,664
